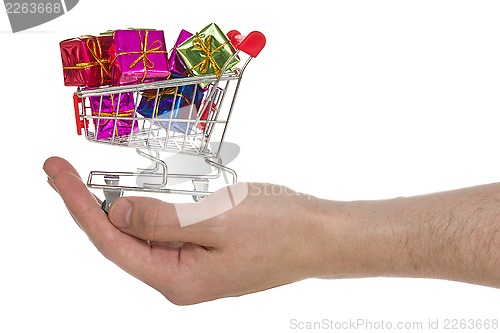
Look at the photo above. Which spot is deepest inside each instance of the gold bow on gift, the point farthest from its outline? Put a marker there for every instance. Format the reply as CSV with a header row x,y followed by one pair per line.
x,y
205,47
117,113
122,113
94,47
143,53
151,95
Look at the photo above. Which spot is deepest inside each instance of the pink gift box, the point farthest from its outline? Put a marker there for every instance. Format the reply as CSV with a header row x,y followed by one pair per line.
x,y
175,63
110,111
138,56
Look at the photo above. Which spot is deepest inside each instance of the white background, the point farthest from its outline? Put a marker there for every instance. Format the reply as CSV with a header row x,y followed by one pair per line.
x,y
359,100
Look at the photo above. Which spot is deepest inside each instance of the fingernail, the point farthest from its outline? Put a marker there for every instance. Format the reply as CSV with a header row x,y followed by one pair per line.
x,y
119,212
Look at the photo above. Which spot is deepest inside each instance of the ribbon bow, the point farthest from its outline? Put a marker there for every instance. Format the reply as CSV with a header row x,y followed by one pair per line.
x,y
95,50
147,63
205,47
120,122
94,47
101,123
151,95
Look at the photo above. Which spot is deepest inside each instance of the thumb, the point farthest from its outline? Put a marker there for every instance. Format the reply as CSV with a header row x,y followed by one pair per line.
x,y
155,220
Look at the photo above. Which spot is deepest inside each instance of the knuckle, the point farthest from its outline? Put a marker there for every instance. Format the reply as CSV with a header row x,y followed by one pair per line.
x,y
148,223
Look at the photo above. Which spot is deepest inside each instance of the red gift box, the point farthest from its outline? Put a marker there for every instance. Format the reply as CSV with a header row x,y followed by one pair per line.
x,y
86,61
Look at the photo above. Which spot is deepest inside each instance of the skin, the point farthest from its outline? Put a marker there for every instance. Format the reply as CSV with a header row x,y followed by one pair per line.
x,y
275,237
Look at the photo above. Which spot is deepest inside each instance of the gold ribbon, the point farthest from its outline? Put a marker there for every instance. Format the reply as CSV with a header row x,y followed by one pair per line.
x,y
114,113
143,53
94,46
122,113
151,95
205,46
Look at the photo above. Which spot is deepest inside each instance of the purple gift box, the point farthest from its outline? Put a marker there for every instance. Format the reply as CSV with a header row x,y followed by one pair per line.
x,y
138,56
175,64
107,128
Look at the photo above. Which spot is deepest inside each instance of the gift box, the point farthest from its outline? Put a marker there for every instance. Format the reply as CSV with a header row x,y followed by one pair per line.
x,y
207,51
171,103
188,117
86,61
117,106
175,64
200,114
169,99
138,56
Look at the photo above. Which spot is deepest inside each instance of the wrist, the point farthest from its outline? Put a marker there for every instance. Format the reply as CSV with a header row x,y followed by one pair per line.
x,y
365,239
452,235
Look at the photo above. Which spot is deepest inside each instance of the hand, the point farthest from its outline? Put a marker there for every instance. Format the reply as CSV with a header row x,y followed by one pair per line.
x,y
250,237
244,238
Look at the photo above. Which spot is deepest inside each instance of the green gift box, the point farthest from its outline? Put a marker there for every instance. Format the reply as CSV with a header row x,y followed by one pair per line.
x,y
206,52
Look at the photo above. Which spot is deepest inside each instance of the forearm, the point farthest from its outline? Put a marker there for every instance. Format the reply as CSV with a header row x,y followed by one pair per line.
x,y
451,235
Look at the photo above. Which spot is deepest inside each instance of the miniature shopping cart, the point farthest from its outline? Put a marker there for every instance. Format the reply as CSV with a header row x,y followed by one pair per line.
x,y
197,129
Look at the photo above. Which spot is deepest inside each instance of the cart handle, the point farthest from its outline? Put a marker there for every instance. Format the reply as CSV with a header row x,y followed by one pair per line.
x,y
79,122
251,44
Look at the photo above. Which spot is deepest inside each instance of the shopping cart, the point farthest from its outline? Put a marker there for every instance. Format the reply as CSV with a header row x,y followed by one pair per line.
x,y
198,128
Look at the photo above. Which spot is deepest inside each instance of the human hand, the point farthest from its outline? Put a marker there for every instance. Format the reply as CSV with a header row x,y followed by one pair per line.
x,y
249,237
261,238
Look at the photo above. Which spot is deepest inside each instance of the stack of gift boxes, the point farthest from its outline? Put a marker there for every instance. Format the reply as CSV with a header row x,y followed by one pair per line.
x,y
132,56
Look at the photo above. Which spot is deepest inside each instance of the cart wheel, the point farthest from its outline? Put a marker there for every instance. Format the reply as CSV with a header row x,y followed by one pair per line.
x,y
112,192
105,206
200,184
197,198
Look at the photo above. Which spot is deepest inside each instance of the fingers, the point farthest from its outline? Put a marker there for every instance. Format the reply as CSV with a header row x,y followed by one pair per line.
x,y
155,220
55,165
131,254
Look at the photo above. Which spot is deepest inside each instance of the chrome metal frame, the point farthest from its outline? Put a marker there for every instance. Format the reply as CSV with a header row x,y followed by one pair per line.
x,y
162,135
